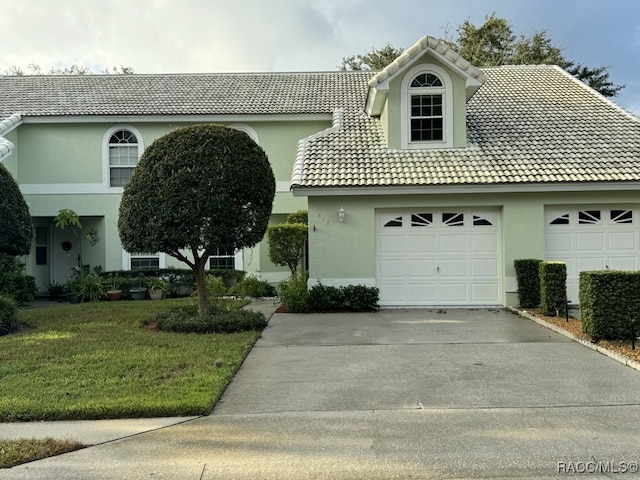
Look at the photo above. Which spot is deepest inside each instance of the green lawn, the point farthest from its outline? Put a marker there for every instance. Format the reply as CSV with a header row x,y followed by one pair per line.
x,y
93,360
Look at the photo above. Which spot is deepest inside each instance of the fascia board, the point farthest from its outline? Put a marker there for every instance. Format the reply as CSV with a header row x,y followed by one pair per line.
x,y
463,189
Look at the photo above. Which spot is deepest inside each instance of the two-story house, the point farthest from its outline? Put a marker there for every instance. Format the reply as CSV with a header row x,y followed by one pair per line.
x,y
427,179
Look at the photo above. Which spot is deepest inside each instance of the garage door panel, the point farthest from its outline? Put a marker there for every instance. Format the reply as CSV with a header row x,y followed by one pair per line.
x,y
559,242
622,263
487,243
418,294
484,293
451,267
590,242
453,244
419,268
390,268
484,267
454,293
590,263
422,243
391,244
390,293
622,242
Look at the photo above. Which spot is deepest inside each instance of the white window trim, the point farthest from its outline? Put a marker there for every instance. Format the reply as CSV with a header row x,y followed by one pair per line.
x,y
238,260
243,127
126,260
106,173
405,109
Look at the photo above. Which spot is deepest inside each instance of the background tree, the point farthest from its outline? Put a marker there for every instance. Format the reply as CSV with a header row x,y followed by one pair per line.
x,y
376,59
287,241
493,43
196,190
16,228
35,69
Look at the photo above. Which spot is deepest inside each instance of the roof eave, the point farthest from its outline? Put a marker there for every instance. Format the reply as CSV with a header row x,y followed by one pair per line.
x,y
462,188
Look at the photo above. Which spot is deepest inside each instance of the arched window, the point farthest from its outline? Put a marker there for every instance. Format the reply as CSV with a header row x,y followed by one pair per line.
x,y
123,156
427,108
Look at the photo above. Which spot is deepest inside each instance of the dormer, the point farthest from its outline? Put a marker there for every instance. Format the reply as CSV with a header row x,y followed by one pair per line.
x,y
421,97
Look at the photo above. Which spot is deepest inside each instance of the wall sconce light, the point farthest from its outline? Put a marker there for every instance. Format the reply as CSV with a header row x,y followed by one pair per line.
x,y
341,215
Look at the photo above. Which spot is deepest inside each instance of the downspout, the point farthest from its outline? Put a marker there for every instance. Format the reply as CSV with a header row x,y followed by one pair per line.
x,y
6,125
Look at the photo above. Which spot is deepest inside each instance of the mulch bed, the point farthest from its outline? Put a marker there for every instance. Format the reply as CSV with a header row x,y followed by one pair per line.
x,y
574,326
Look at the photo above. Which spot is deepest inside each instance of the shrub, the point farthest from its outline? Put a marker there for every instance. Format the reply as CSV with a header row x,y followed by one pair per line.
x,y
8,315
253,287
528,275
187,320
553,288
216,287
323,298
287,244
609,303
294,293
360,298
13,282
351,298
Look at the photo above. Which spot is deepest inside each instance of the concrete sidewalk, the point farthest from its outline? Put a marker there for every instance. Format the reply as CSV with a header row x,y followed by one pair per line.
x,y
393,394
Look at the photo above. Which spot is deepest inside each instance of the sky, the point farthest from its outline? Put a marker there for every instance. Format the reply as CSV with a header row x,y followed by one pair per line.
x,y
194,36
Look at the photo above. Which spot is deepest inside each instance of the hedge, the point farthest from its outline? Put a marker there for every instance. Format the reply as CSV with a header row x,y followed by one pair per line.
x,y
528,276
609,303
553,288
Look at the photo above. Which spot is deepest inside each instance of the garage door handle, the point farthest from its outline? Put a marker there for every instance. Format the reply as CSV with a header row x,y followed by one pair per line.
x,y
438,269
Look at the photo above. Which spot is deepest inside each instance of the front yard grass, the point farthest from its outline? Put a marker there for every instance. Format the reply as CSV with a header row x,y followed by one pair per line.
x,y
94,361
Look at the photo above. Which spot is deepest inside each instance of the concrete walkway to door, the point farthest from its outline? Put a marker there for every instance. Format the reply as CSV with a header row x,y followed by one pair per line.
x,y
394,394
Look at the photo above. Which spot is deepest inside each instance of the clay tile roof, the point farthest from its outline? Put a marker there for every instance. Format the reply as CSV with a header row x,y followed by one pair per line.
x,y
526,124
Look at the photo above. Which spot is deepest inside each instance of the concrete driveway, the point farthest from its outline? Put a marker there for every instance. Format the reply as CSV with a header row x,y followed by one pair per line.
x,y
395,394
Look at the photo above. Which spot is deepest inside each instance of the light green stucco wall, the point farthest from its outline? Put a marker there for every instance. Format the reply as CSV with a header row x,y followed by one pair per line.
x,y
69,156
345,252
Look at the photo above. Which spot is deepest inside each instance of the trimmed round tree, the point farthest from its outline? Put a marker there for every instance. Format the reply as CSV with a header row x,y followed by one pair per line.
x,y
16,228
195,191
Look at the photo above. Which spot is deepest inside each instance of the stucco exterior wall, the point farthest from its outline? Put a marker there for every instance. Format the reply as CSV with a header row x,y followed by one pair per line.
x,y
344,253
61,165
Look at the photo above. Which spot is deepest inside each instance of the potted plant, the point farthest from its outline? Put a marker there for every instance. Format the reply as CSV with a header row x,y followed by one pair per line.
x,y
91,288
138,291
114,292
157,288
56,291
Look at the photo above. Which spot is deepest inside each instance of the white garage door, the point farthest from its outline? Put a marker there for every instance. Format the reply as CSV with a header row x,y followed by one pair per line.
x,y
438,257
592,239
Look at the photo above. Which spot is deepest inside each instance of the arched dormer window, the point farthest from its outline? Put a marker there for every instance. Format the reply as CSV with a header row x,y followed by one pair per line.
x,y
427,118
122,146
426,93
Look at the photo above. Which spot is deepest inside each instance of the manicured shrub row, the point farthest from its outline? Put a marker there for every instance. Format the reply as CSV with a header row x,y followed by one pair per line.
x,y
8,315
610,304
553,288
323,298
187,320
528,276
180,279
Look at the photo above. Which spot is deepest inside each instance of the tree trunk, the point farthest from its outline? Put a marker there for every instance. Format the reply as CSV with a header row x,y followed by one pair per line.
x,y
201,287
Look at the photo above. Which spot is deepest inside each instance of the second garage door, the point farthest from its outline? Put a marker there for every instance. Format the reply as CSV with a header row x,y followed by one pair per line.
x,y
592,238
438,257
